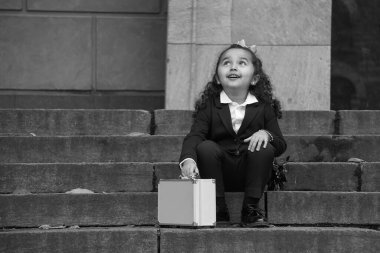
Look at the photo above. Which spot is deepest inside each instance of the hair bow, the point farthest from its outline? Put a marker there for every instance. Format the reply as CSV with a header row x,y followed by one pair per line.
x,y
242,44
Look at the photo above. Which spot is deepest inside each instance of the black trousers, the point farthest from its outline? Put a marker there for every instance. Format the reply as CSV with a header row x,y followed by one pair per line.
x,y
248,172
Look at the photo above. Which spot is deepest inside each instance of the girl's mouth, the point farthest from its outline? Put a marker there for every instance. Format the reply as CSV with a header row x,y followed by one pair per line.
x,y
233,76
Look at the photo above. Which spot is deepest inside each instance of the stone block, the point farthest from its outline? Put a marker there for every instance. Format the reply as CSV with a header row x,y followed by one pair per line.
x,y
213,21
300,75
172,122
322,177
178,76
121,6
359,122
346,208
10,5
60,178
131,53
73,122
112,209
307,122
278,22
371,177
69,100
45,53
180,25
90,149
84,240
332,148
274,240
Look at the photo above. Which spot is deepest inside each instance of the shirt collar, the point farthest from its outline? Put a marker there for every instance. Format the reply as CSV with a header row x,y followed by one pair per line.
x,y
224,99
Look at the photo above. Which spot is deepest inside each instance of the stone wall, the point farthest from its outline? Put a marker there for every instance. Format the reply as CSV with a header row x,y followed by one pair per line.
x,y
293,38
82,45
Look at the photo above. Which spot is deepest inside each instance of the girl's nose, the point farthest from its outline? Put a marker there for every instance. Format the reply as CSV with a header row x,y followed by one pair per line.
x,y
233,67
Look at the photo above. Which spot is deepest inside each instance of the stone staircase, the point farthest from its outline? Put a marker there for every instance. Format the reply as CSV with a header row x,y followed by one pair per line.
x,y
328,205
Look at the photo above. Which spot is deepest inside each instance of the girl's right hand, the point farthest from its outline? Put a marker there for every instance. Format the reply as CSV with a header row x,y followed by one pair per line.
x,y
189,168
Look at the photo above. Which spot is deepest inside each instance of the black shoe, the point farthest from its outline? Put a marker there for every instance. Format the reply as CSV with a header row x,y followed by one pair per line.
x,y
222,214
253,217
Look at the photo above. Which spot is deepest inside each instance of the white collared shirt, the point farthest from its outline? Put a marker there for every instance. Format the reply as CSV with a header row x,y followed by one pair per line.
x,y
237,110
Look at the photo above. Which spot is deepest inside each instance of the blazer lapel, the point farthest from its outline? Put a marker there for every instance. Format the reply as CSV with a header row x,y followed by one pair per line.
x,y
251,112
225,115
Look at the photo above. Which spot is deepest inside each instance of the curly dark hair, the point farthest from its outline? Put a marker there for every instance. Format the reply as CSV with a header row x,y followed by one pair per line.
x,y
262,90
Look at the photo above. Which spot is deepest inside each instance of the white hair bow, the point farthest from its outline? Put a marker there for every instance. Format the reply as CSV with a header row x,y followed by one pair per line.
x,y
242,43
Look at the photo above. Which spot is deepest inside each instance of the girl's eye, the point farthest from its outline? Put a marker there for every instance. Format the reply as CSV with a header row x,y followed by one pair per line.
x,y
243,63
226,63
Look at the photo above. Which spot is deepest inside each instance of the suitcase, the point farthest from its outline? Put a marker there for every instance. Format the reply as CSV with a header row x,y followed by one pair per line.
x,y
187,202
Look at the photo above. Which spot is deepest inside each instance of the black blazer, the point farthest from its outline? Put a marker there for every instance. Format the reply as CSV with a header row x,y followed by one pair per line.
x,y
214,123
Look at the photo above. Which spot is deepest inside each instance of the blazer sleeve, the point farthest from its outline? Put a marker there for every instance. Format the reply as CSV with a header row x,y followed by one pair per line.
x,y
271,125
198,133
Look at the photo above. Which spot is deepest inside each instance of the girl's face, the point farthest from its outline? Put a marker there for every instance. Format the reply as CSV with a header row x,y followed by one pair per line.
x,y
235,69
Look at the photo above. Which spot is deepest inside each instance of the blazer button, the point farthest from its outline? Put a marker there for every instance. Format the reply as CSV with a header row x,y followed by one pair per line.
x,y
237,152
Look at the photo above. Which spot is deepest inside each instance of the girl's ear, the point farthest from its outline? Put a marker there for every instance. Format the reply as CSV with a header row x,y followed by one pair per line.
x,y
255,79
217,79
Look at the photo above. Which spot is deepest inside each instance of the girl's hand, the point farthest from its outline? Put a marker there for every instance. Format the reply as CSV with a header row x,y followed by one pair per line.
x,y
257,139
189,168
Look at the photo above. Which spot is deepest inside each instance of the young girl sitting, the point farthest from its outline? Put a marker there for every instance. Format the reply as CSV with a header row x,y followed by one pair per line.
x,y
235,135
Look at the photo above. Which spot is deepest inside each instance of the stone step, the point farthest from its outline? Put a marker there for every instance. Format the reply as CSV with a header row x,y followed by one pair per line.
x,y
78,209
60,178
359,122
45,122
84,240
359,208
178,122
74,149
271,240
311,176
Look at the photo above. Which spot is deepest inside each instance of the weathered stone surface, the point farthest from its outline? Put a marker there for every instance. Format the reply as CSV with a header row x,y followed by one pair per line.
x,y
99,100
130,53
85,240
128,6
323,208
49,53
307,122
277,22
359,122
56,178
74,122
332,148
178,76
300,75
371,177
213,21
89,149
173,122
10,4
78,209
274,240
180,16
322,177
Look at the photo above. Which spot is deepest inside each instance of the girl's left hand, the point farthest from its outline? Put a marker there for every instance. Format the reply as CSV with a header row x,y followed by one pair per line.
x,y
257,139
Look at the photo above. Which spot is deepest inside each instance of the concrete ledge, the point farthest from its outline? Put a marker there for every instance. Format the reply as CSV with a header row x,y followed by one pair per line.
x,y
78,209
121,6
323,208
359,122
74,122
273,240
10,5
173,122
322,177
56,178
99,100
371,177
90,149
85,240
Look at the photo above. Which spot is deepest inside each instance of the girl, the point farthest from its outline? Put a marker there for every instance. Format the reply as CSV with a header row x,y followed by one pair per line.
x,y
235,135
